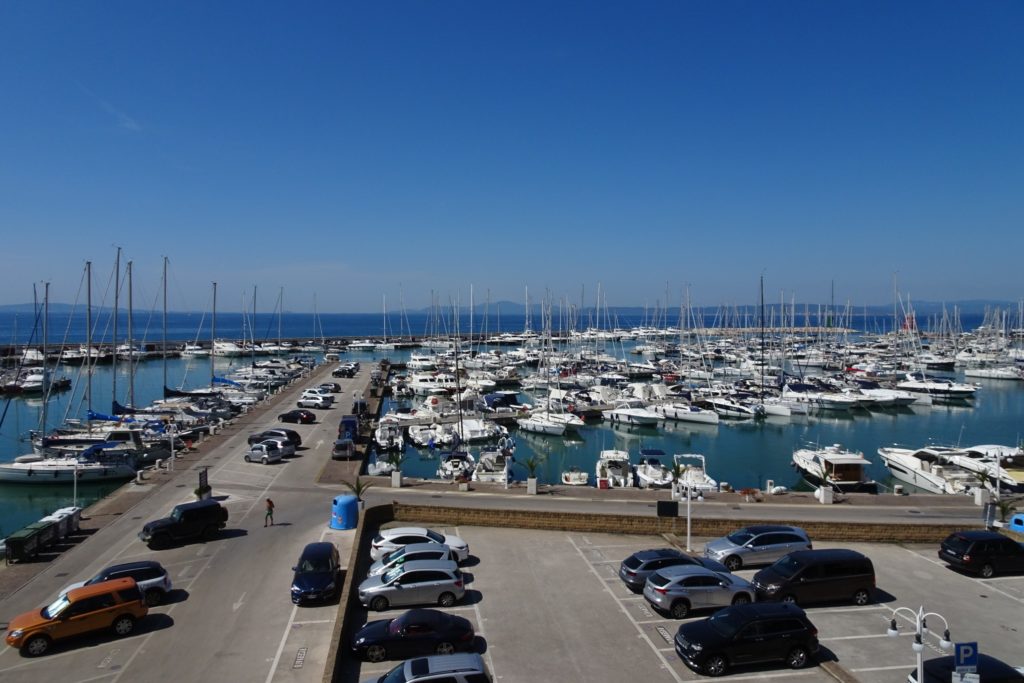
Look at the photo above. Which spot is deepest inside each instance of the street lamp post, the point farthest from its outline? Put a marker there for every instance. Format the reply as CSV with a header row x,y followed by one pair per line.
x,y
689,490
920,618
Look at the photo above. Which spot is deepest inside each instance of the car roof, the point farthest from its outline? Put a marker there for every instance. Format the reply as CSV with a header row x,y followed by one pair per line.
x,y
979,535
445,565
989,669
656,554
131,566
766,528
417,547
399,530
444,663
208,503
320,549
686,569
827,554
101,588
760,610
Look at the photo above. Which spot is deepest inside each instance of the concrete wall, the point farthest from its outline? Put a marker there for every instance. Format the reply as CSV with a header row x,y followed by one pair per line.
x,y
629,524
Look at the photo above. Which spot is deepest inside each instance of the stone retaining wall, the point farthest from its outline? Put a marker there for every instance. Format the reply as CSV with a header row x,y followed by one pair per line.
x,y
651,525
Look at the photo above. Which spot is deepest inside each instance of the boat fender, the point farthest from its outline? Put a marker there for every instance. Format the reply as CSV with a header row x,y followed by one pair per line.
x,y
55,474
778,489
29,472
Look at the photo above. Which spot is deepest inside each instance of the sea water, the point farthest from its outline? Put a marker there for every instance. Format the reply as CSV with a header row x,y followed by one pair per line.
x,y
745,454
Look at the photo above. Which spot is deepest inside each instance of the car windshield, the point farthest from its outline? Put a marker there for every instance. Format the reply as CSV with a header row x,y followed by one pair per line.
x,y
740,537
786,567
395,626
957,543
632,562
54,609
395,555
726,622
176,515
393,574
657,579
315,564
396,675
434,536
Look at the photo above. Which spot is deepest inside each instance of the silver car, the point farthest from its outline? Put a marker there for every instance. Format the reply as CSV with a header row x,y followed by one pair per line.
x,y
681,589
758,544
411,553
425,582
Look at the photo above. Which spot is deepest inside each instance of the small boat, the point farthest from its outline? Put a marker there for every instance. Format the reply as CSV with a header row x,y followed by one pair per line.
x,y
918,382
380,468
693,477
388,435
540,424
651,471
455,464
726,407
613,465
494,466
835,467
89,466
631,411
927,469
574,476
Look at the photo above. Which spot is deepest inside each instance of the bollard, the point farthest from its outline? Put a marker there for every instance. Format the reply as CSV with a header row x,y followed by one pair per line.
x,y
139,478
158,464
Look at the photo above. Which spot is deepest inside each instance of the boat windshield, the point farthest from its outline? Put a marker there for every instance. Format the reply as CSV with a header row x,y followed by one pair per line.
x,y
54,609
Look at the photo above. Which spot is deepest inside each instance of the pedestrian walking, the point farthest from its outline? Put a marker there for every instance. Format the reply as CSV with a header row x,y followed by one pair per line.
x,y
269,518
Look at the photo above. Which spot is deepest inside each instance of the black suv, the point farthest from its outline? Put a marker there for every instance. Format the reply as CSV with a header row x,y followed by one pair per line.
x,y
747,634
818,576
317,573
986,553
202,519
289,435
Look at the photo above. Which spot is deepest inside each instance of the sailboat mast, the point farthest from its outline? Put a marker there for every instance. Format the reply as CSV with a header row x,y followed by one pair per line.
x,y
131,341
280,312
46,376
117,292
213,332
164,338
252,327
88,334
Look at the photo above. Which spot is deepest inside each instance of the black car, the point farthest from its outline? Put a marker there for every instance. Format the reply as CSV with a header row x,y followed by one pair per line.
x,y
417,632
990,670
344,372
747,634
300,416
317,574
202,519
289,435
635,569
985,553
332,387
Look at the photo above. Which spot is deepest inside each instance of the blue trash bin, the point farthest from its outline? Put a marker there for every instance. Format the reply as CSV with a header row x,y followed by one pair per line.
x,y
345,512
1017,523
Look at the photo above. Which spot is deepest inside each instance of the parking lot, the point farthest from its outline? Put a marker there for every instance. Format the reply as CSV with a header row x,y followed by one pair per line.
x,y
550,606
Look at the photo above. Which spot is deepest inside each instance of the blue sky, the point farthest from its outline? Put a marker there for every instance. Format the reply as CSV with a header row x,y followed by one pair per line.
x,y
361,150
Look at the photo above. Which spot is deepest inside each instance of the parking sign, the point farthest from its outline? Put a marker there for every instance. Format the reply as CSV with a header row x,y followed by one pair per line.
x,y
965,656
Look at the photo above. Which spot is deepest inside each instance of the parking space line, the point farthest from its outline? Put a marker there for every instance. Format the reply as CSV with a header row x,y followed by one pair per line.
x,y
844,610
883,668
664,660
781,674
985,583
480,627
870,635
314,621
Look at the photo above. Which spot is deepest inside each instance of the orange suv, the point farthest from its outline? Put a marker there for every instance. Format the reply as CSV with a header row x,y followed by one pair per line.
x,y
115,605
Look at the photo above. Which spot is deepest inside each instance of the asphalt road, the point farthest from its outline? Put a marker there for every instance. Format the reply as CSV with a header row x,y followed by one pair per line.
x,y
230,616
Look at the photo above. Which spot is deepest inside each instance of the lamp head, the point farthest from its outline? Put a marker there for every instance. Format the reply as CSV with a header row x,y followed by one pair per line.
x,y
918,646
924,626
893,631
946,642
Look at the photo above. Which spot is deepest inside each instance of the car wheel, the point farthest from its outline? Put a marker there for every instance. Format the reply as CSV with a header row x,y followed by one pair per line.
x,y
733,563
376,653
36,646
444,648
379,604
124,625
154,596
797,658
789,598
248,459
160,541
680,609
446,599
263,460
741,599
210,533
715,665
862,597
987,571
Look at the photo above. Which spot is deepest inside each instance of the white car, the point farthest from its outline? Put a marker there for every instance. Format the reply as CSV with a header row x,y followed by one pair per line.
x,y
392,539
265,452
313,402
317,392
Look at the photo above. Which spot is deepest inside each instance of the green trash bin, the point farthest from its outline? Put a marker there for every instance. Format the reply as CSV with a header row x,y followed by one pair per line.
x,y
22,545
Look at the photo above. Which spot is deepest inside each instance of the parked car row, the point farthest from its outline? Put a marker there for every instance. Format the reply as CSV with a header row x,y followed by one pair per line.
x,y
418,566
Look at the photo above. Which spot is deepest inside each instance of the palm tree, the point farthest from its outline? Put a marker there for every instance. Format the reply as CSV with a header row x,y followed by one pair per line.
x,y
358,487
532,464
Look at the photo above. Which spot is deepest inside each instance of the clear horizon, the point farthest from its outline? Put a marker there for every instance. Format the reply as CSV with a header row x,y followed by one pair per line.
x,y
408,151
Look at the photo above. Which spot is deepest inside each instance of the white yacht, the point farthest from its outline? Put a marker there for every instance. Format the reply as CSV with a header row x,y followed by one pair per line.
x,y
927,469
834,467
631,411
726,407
90,466
694,477
540,424
493,466
388,435
942,388
686,412
651,472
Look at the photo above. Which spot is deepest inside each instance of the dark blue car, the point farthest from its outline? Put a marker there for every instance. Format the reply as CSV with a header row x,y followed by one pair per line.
x,y
417,632
317,574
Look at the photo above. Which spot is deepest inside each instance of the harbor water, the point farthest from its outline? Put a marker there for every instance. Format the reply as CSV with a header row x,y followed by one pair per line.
x,y
744,454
